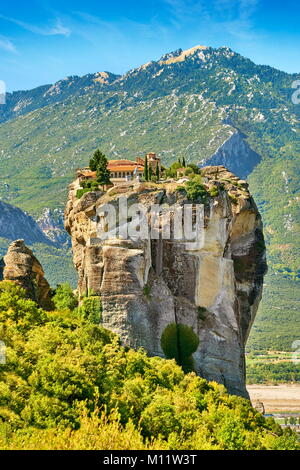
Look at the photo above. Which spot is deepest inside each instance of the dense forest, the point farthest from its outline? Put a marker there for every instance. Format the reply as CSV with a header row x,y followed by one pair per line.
x,y
273,373
67,383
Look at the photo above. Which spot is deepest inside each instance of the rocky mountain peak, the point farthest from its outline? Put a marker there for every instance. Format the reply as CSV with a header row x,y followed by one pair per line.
x,y
180,55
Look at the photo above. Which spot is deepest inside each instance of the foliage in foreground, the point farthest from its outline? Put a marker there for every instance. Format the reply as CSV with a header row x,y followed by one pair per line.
x,y
69,384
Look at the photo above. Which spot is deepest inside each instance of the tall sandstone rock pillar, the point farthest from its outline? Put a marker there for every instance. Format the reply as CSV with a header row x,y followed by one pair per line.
x,y
146,285
23,268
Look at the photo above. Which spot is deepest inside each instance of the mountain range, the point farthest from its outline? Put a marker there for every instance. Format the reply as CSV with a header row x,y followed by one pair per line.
x,y
210,106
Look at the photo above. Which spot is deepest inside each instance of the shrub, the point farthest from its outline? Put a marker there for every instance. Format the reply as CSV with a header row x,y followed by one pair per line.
x,y
146,290
181,189
94,185
172,171
16,308
196,191
214,191
64,297
91,309
179,342
195,169
201,312
188,172
233,198
81,192
69,384
86,184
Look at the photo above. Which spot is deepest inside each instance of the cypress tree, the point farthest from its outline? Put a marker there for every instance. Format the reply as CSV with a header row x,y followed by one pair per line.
x,y
150,173
183,162
157,171
146,172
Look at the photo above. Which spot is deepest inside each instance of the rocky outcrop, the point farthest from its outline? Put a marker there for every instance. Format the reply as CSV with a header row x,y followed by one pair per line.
x,y
145,285
22,267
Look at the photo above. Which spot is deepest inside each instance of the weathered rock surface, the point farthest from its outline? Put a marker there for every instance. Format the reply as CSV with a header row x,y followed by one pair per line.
x,y
145,285
22,267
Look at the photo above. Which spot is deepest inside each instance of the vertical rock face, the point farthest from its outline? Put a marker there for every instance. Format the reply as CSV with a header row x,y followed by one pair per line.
x,y
22,267
146,285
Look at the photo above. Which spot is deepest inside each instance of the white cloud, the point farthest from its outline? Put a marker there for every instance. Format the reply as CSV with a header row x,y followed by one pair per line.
x,y
233,16
216,10
57,29
184,10
7,45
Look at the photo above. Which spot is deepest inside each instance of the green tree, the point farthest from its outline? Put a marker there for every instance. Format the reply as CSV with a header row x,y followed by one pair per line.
x,y
146,172
195,189
99,163
96,160
194,167
103,173
150,173
91,309
157,171
70,384
16,308
172,171
183,162
64,297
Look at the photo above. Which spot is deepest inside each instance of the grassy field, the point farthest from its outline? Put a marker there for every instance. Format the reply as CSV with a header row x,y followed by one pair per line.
x,y
281,398
272,357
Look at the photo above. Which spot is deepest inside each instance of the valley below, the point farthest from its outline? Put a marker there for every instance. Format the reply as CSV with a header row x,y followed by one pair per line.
x,y
283,397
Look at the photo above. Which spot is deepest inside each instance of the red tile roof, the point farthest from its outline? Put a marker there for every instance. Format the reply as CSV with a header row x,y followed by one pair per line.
x,y
87,173
122,168
114,166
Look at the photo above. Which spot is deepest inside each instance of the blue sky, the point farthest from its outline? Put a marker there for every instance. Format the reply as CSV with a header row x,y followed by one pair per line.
x,y
42,41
